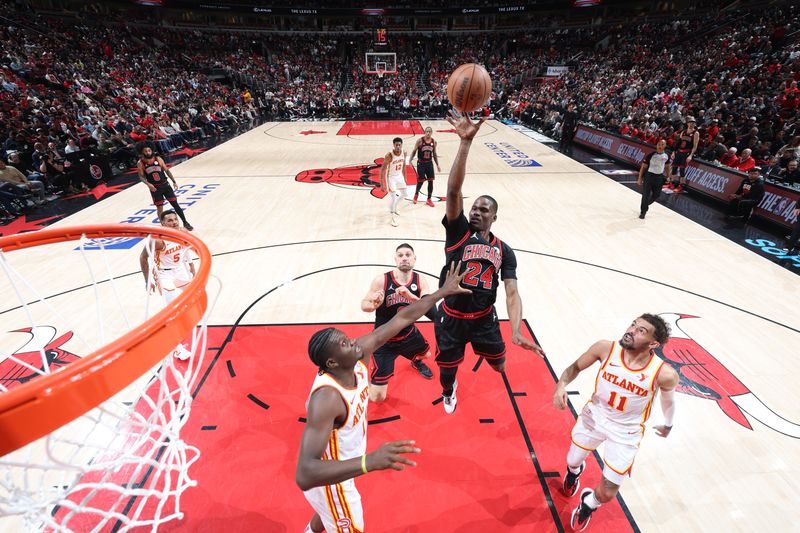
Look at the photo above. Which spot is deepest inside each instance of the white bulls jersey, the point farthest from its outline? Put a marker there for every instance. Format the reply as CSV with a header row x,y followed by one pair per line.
x,y
396,167
622,395
350,440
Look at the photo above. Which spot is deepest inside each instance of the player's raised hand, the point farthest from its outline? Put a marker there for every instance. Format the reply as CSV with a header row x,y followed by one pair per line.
x,y
465,128
560,397
452,283
520,340
390,455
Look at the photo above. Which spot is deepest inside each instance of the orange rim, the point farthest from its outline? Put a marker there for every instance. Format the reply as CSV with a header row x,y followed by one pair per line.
x,y
44,404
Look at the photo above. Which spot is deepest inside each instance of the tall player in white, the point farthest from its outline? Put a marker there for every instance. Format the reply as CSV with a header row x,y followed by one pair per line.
x,y
393,177
172,269
334,443
628,381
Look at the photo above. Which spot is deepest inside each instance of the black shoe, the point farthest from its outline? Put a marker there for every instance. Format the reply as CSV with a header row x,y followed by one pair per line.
x,y
641,215
188,226
572,482
582,513
422,368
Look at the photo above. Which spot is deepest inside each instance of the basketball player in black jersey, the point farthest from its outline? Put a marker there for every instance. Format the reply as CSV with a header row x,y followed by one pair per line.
x,y
387,294
426,147
472,317
685,148
153,173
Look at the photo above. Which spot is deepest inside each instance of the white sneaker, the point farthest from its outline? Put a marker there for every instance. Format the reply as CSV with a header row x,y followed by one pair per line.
x,y
393,220
450,402
181,353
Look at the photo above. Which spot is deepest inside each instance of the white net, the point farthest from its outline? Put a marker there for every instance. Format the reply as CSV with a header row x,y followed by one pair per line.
x,y
122,464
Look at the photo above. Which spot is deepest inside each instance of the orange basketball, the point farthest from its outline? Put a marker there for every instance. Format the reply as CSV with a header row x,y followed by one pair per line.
x,y
469,87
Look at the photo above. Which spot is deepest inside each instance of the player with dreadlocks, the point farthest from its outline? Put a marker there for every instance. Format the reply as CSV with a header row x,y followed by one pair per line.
x,y
334,443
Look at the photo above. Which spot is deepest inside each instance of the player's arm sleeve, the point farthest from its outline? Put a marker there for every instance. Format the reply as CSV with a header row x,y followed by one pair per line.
x,y
456,230
508,269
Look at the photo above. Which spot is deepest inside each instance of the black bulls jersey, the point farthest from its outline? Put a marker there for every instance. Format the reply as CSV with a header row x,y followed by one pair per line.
x,y
426,151
484,262
153,172
393,301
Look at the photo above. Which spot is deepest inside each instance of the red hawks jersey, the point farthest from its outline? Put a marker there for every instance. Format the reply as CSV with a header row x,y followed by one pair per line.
x,y
350,440
624,395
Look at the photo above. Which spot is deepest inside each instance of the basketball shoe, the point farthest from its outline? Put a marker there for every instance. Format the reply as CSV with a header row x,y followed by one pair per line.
x,y
450,402
415,199
429,203
393,220
422,368
572,481
582,513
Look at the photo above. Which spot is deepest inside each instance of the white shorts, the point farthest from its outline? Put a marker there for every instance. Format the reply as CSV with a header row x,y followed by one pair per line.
x,y
172,281
396,183
619,451
339,507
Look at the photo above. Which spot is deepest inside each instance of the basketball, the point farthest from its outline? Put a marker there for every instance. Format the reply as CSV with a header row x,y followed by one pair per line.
x,y
469,87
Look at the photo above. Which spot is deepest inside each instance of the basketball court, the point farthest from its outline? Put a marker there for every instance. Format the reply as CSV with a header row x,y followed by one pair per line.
x,y
297,229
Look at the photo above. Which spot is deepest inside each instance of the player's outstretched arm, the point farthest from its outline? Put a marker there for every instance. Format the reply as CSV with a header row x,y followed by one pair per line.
x,y
466,130
324,407
374,297
597,352
514,307
411,313
667,381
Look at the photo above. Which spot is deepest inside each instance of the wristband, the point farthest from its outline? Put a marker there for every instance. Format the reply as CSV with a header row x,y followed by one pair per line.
x,y
364,464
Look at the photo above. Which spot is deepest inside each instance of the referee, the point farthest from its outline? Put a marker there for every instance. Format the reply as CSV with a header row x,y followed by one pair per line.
x,y
653,173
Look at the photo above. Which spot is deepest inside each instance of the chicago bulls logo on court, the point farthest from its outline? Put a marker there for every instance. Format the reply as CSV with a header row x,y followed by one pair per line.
x,y
704,376
359,176
22,366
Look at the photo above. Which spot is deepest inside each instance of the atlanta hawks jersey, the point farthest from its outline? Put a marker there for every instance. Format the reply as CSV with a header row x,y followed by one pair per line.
x,y
482,260
396,167
622,394
350,440
393,301
172,256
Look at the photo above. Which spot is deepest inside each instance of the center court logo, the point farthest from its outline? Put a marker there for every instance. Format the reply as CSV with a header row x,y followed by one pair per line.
x,y
511,155
187,195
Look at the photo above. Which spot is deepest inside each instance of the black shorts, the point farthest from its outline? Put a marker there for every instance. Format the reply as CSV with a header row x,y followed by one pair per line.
x,y
680,159
453,334
425,171
410,347
162,192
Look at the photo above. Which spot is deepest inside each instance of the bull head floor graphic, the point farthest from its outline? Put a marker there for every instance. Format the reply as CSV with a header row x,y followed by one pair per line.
x,y
21,366
702,375
366,176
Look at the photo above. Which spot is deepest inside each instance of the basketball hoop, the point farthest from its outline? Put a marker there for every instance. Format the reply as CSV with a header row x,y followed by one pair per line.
x,y
93,442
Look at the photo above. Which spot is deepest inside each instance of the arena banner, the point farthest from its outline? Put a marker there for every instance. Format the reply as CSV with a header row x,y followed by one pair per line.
x,y
713,180
556,70
351,12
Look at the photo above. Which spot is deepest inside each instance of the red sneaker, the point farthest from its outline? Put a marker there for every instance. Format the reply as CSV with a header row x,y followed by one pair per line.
x,y
415,199
678,189
429,203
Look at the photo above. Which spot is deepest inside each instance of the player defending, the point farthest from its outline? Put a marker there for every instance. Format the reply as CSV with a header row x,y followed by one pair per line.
x,y
389,293
393,177
628,381
334,442
153,173
171,269
472,317
426,147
